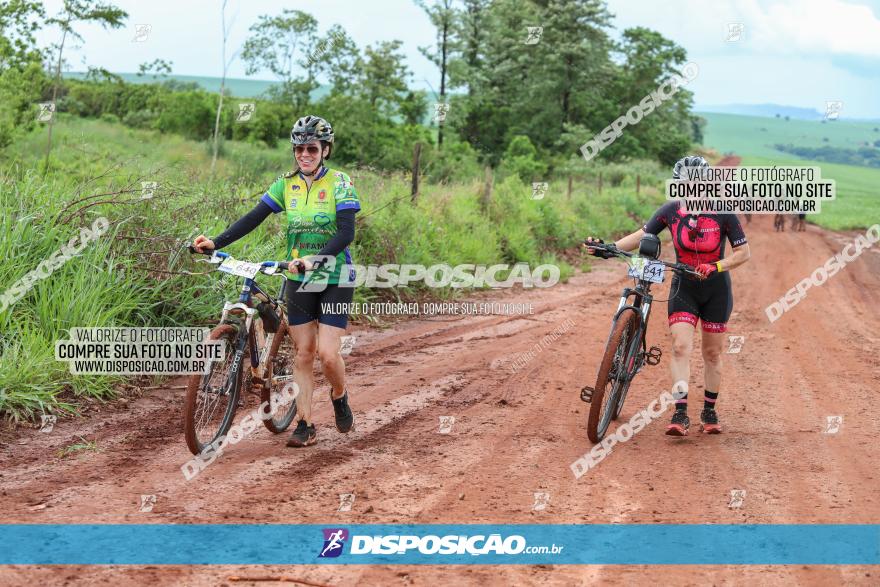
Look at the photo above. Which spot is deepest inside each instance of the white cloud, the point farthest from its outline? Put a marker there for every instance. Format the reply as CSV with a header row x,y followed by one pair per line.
x,y
795,52
826,27
782,27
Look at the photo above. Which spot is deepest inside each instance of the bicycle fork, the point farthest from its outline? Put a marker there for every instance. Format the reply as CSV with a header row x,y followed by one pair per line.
x,y
650,356
245,336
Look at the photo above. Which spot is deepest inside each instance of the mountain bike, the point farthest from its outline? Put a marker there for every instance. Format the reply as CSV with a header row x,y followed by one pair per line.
x,y
255,335
626,351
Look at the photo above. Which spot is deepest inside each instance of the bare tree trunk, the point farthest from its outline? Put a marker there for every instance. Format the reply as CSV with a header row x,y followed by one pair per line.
x,y
55,93
417,154
443,49
222,90
217,125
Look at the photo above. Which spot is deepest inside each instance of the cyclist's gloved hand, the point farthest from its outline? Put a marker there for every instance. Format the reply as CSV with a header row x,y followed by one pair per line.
x,y
706,269
601,253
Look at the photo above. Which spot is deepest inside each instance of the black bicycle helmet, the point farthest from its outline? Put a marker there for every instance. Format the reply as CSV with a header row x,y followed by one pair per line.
x,y
691,161
311,128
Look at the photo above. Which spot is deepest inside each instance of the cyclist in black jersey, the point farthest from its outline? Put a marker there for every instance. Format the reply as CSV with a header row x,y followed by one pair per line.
x,y
699,240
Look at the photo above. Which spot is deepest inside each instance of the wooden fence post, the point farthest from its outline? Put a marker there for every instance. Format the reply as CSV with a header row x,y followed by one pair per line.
x,y
600,182
569,187
417,153
638,183
487,188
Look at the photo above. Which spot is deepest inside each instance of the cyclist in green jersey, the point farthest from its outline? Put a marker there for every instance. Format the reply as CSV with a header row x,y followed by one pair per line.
x,y
320,204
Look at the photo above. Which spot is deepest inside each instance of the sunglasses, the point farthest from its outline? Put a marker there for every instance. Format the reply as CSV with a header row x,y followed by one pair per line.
x,y
310,149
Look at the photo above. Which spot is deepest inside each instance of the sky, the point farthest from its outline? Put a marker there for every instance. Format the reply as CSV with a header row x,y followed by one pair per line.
x,y
792,52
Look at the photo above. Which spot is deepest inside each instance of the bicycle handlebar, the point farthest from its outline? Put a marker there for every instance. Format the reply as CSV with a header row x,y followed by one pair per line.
x,y
283,265
678,267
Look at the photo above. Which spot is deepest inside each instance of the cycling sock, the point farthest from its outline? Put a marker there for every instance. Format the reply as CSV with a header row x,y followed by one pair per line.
x,y
709,400
681,404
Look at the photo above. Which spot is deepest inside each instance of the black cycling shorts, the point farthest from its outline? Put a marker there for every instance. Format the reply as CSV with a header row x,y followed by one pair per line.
x,y
710,301
327,307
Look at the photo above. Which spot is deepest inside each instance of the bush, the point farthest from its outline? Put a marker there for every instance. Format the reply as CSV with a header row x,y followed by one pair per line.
x,y
521,159
456,161
20,91
190,114
143,119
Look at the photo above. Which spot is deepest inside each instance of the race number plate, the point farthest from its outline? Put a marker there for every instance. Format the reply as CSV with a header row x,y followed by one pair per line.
x,y
240,268
646,269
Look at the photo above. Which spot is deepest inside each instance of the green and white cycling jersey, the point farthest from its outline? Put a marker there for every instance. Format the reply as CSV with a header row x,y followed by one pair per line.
x,y
311,215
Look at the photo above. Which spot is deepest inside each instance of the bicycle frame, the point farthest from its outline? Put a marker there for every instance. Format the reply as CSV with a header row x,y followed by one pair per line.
x,y
245,305
642,301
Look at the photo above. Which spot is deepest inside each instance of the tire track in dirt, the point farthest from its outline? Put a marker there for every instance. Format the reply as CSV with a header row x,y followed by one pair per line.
x,y
815,361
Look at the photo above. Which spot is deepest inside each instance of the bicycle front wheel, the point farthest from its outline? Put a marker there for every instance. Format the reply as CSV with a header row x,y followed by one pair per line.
x,y
212,398
630,372
612,376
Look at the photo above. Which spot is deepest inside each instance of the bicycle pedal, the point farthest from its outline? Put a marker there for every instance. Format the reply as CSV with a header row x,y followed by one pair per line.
x,y
587,394
652,357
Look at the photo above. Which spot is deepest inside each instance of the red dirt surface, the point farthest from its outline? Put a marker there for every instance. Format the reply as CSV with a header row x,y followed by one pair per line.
x,y
514,434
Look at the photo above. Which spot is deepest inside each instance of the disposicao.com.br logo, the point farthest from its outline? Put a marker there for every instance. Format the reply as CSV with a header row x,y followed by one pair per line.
x,y
431,544
334,541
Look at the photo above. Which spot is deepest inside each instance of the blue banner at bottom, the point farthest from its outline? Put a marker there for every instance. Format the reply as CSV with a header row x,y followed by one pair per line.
x,y
486,544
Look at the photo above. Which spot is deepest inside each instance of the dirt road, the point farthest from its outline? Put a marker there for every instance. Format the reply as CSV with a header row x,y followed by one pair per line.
x,y
514,434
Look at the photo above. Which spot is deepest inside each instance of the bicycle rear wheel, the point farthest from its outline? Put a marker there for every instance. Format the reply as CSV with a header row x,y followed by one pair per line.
x,y
212,398
277,375
611,377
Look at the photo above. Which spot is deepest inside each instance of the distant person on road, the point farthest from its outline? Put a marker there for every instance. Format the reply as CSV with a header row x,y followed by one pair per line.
x,y
699,241
320,204
779,223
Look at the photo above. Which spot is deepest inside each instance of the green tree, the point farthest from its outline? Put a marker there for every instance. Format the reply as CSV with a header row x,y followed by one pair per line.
x,y
443,17
521,158
534,89
283,45
497,76
571,65
649,61
385,76
74,12
466,65
155,68
340,60
18,22
21,76
413,106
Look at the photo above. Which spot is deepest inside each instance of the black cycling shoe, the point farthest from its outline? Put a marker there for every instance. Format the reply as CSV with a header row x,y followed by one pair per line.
x,y
680,424
303,435
344,417
709,421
